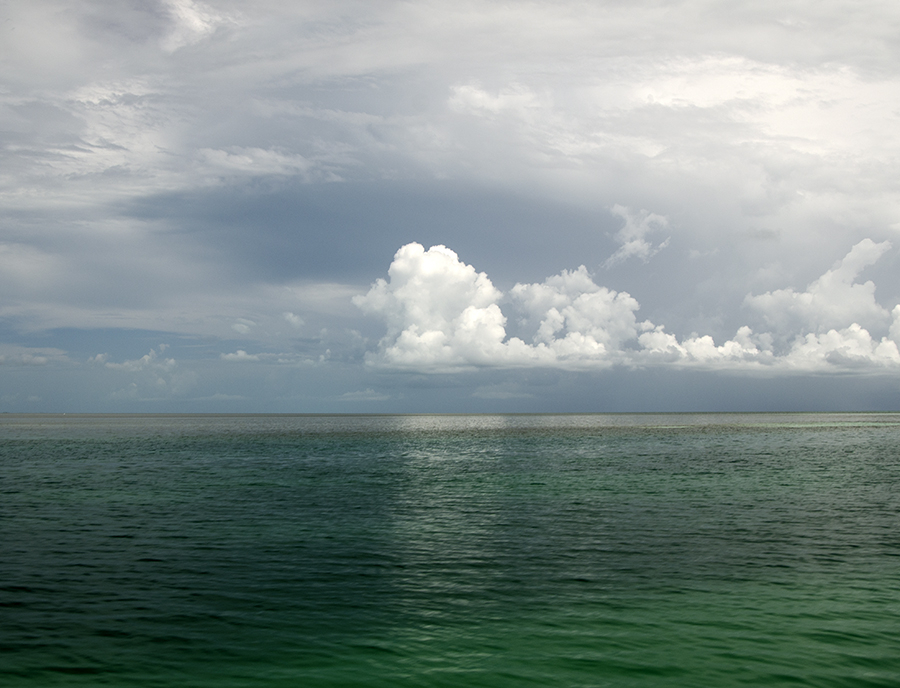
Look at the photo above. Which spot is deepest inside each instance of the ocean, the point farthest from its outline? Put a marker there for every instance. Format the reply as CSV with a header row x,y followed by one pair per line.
x,y
701,550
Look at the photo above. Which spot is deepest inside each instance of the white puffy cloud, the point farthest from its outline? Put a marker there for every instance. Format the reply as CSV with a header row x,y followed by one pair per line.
x,y
576,317
429,288
632,238
744,350
294,319
833,300
243,326
894,332
847,348
151,376
239,355
149,360
442,315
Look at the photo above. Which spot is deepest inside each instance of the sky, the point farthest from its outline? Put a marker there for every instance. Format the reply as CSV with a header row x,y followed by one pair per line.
x,y
434,206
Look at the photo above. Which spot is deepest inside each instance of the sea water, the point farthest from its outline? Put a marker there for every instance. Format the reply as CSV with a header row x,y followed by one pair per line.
x,y
505,550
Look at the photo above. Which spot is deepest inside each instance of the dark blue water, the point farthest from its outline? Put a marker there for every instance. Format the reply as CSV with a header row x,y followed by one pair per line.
x,y
594,550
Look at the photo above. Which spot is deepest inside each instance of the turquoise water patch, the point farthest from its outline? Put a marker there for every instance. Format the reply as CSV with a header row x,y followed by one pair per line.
x,y
608,550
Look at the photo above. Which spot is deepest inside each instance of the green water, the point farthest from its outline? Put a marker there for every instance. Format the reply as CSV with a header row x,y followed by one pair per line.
x,y
595,550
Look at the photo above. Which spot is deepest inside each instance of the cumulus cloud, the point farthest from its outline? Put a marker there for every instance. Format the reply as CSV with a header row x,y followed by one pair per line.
x,y
239,355
744,350
835,299
293,319
851,347
439,312
443,315
149,360
632,238
577,317
894,333
152,376
243,326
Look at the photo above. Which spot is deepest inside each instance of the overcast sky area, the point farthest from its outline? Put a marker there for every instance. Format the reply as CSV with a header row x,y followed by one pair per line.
x,y
288,206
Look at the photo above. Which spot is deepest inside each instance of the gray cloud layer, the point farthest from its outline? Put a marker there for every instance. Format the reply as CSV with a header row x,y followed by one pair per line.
x,y
188,173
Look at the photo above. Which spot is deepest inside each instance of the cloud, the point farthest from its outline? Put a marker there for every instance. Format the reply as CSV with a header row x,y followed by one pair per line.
x,y
851,347
442,315
239,355
364,395
26,359
252,162
894,333
243,326
633,236
500,394
191,23
745,350
833,300
439,312
473,99
294,320
152,377
18,355
201,169
576,317
149,360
